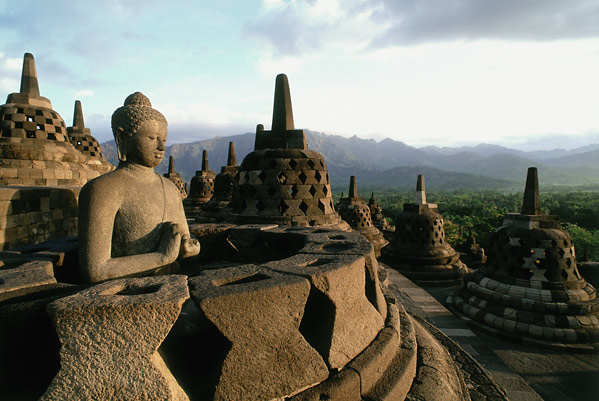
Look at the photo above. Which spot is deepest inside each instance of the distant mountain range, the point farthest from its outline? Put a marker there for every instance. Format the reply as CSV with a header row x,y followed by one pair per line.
x,y
391,164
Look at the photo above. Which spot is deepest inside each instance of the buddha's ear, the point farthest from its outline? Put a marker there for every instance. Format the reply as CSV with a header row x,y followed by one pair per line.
x,y
121,143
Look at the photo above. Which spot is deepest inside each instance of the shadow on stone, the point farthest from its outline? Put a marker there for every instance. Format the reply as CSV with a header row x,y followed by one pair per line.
x,y
318,322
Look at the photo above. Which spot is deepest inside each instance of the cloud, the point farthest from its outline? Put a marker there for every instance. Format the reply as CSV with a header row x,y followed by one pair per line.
x,y
415,21
84,93
303,26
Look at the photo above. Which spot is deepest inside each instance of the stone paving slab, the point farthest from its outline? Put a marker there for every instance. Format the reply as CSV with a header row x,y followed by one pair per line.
x,y
527,372
423,305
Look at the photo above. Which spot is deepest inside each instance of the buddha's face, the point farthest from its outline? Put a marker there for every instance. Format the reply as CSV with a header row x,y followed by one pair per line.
x,y
146,146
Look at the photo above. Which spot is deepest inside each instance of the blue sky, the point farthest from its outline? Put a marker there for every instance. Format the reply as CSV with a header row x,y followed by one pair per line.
x,y
520,73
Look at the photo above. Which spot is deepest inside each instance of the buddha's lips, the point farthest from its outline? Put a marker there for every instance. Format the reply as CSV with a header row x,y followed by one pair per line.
x,y
159,155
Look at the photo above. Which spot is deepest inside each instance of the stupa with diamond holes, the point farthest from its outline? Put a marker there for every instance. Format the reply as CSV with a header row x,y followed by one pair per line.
x,y
82,139
218,207
418,248
175,178
34,145
376,214
201,188
530,287
281,181
356,213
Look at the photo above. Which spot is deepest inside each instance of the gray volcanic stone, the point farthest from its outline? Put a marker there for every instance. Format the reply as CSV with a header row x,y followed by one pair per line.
x,y
110,334
339,320
259,312
28,275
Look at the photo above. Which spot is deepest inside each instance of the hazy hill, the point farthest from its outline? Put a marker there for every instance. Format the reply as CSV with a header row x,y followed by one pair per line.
x,y
390,164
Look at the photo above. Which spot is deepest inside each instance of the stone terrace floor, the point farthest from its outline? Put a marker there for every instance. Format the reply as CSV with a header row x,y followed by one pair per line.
x,y
526,372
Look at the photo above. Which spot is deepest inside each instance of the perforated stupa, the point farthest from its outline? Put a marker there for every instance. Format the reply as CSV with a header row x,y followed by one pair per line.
x,y
201,188
356,213
34,145
530,287
175,178
419,249
218,207
281,181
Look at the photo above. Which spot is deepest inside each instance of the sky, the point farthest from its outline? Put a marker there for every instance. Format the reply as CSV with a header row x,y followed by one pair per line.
x,y
518,73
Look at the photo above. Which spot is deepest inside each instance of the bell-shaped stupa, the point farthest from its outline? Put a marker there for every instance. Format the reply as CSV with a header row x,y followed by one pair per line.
x,y
82,139
356,213
418,248
530,287
34,144
218,207
175,178
201,188
281,181
376,214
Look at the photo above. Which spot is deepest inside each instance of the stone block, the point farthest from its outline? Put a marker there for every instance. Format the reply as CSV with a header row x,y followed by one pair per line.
x,y
28,275
110,334
343,386
339,320
259,312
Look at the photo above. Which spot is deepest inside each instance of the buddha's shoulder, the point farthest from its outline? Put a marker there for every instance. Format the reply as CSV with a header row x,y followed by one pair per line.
x,y
108,183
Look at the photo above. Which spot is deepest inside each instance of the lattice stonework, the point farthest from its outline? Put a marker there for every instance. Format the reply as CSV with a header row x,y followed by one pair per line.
x,y
283,182
31,122
426,230
88,145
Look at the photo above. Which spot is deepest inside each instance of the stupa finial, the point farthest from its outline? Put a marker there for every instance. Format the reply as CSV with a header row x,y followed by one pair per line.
x,y
353,187
78,121
420,191
282,114
29,84
171,165
205,165
532,201
232,158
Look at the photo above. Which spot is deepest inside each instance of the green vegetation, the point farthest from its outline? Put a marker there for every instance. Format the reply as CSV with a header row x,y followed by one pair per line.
x,y
480,213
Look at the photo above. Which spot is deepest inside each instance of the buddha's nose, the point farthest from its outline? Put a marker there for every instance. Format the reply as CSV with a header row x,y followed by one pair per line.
x,y
161,143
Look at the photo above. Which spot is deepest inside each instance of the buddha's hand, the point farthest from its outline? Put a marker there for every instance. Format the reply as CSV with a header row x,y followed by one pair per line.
x,y
189,247
170,242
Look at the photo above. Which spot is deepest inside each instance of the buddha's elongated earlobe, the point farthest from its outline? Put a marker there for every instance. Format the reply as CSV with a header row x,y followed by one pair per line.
x,y
121,144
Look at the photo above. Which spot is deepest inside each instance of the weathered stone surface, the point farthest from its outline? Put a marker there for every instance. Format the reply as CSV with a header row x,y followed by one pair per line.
x,y
131,220
260,313
343,386
28,275
339,320
110,334
437,376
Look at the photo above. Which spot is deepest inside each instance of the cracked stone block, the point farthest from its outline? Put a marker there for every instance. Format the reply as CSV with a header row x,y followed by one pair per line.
x,y
26,276
110,334
259,311
339,320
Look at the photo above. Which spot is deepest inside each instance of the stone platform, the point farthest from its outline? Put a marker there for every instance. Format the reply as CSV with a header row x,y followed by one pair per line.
x,y
312,322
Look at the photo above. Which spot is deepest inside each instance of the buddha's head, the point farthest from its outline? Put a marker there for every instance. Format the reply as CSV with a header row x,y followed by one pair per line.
x,y
140,131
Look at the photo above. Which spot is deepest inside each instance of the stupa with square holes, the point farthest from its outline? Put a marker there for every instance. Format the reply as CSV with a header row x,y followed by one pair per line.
x,y
418,248
376,214
82,139
34,144
530,288
282,181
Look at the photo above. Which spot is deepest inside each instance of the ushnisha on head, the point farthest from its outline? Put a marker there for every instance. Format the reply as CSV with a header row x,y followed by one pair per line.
x,y
134,120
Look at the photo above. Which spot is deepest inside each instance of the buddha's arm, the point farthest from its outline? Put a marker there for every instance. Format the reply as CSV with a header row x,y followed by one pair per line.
x,y
97,210
189,246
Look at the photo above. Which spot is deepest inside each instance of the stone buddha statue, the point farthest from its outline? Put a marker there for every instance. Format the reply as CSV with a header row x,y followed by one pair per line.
x,y
131,220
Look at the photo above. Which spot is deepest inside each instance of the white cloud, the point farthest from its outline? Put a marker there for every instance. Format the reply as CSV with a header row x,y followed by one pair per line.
x,y
84,93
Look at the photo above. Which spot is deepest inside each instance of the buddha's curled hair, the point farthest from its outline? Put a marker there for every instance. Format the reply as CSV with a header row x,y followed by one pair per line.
x,y
136,110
